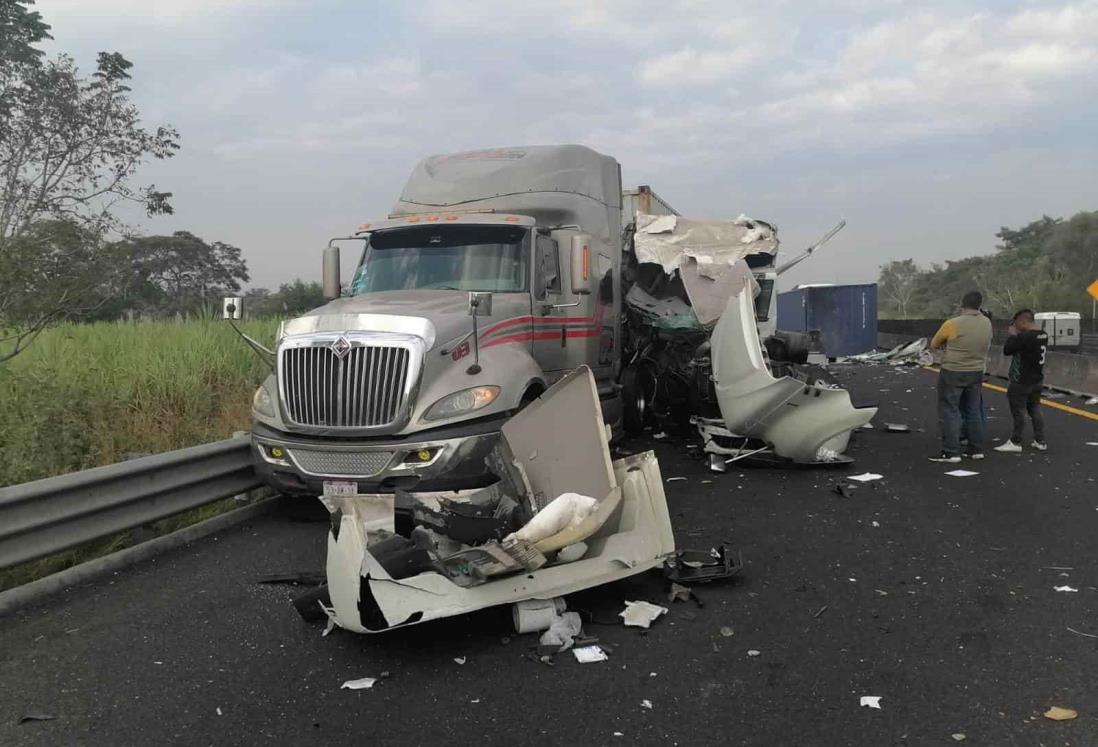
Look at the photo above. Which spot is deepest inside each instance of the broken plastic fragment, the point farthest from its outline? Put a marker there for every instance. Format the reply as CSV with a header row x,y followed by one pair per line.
x,y
1065,588
534,615
958,737
1056,713
864,477
36,717
562,631
961,473
727,632
646,704
754,652
589,654
678,593
873,701
363,684
460,660
641,614
676,479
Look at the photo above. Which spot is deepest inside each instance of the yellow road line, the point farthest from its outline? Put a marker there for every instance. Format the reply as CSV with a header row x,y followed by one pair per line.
x,y
1050,403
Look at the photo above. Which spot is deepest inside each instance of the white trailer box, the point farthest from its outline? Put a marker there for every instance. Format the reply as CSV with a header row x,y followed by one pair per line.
x,y
1063,327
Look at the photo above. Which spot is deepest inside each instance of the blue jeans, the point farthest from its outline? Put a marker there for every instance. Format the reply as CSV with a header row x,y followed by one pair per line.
x,y
959,396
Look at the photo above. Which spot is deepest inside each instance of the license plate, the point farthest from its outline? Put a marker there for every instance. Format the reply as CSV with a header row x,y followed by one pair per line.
x,y
335,488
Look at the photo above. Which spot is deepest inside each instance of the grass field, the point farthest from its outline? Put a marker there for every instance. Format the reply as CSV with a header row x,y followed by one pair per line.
x,y
84,395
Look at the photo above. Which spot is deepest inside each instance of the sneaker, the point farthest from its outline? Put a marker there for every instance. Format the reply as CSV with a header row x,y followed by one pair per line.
x,y
1040,445
976,455
947,458
1009,447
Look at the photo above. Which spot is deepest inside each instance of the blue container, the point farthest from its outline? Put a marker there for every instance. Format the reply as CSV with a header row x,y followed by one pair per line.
x,y
844,316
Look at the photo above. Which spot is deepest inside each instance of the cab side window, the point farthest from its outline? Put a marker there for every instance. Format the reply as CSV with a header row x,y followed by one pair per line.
x,y
546,267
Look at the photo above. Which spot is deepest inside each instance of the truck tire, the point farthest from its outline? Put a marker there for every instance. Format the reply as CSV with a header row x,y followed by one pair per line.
x,y
634,400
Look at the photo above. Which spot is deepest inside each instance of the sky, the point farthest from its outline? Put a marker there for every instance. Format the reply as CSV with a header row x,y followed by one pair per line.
x,y
927,125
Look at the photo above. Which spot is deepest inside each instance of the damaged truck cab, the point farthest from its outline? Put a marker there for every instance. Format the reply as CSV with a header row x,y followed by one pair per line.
x,y
496,272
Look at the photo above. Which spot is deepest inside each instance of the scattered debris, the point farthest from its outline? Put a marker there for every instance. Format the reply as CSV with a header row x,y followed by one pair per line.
x,y
961,473
219,711
717,463
897,427
646,704
845,490
1091,401
864,477
700,566
1056,713
958,737
460,660
873,701
536,615
1065,588
589,654
727,632
363,684
36,717
876,524
679,593
753,652
820,611
562,632
1079,632
1092,443
659,436
676,479
641,614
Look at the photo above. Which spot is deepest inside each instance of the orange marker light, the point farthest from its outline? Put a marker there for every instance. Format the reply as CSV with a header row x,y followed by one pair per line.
x,y
432,218
413,220
364,226
451,217
511,219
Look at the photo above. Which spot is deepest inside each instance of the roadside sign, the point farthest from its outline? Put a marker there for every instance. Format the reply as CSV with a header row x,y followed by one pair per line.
x,y
1092,289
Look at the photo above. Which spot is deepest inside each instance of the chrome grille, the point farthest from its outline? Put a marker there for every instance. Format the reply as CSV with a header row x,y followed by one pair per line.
x,y
363,388
352,463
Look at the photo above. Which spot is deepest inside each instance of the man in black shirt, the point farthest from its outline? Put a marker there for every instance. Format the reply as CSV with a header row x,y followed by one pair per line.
x,y
1028,343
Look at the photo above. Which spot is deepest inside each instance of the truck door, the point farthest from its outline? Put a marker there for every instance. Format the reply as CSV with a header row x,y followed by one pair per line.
x,y
550,324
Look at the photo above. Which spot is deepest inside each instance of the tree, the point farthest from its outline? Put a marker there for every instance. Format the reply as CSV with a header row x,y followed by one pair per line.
x,y
180,273
291,299
70,147
898,282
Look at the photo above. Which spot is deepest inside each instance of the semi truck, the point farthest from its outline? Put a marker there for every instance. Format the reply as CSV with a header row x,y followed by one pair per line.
x,y
496,273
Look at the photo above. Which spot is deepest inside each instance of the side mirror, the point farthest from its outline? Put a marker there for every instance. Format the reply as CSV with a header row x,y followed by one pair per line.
x,y
232,307
330,273
480,304
581,264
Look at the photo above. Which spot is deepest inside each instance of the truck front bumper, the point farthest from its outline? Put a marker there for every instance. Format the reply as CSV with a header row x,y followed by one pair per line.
x,y
447,458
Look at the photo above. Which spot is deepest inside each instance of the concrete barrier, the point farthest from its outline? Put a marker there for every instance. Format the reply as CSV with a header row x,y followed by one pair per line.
x,y
1077,374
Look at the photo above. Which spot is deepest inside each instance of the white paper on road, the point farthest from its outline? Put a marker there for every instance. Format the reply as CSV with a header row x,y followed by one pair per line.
x,y
1064,588
641,614
1092,443
873,701
363,684
589,654
864,477
962,473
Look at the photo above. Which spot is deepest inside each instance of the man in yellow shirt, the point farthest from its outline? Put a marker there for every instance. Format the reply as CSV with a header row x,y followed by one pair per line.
x,y
964,341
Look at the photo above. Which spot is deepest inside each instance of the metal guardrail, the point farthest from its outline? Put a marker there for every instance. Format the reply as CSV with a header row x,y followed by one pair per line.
x,y
47,516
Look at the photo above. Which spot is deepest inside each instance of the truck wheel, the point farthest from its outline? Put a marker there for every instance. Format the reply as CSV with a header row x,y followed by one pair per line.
x,y
634,400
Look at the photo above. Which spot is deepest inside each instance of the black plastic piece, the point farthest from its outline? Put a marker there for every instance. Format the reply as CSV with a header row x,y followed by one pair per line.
x,y
701,566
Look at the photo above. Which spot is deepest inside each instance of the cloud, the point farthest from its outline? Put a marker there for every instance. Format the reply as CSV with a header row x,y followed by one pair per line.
x,y
690,67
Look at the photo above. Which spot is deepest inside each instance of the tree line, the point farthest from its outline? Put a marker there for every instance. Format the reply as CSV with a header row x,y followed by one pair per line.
x,y
1045,265
70,148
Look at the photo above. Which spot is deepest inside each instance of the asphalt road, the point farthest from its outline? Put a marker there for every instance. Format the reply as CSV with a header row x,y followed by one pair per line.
x,y
934,593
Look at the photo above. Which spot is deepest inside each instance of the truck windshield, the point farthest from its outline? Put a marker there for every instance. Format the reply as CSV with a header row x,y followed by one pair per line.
x,y
454,257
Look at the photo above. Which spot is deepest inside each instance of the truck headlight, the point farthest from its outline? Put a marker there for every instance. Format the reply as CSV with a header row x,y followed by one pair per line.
x,y
462,402
261,402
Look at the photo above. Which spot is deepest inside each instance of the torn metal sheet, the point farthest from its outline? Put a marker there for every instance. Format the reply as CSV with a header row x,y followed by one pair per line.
x,y
628,533
803,422
715,245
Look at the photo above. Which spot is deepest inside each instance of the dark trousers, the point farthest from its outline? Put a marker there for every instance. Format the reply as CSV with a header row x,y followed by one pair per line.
x,y
1025,398
959,396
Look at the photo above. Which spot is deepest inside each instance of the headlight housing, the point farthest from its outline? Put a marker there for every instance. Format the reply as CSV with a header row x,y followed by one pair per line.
x,y
459,403
262,403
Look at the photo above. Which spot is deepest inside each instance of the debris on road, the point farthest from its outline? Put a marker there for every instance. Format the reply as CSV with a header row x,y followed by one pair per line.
x,y
1056,713
646,704
820,611
958,737
727,632
679,593
676,479
460,660
590,654
536,615
362,684
36,717
864,477
753,652
641,614
1071,589
897,428
562,632
1079,632
872,701
961,473
700,566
